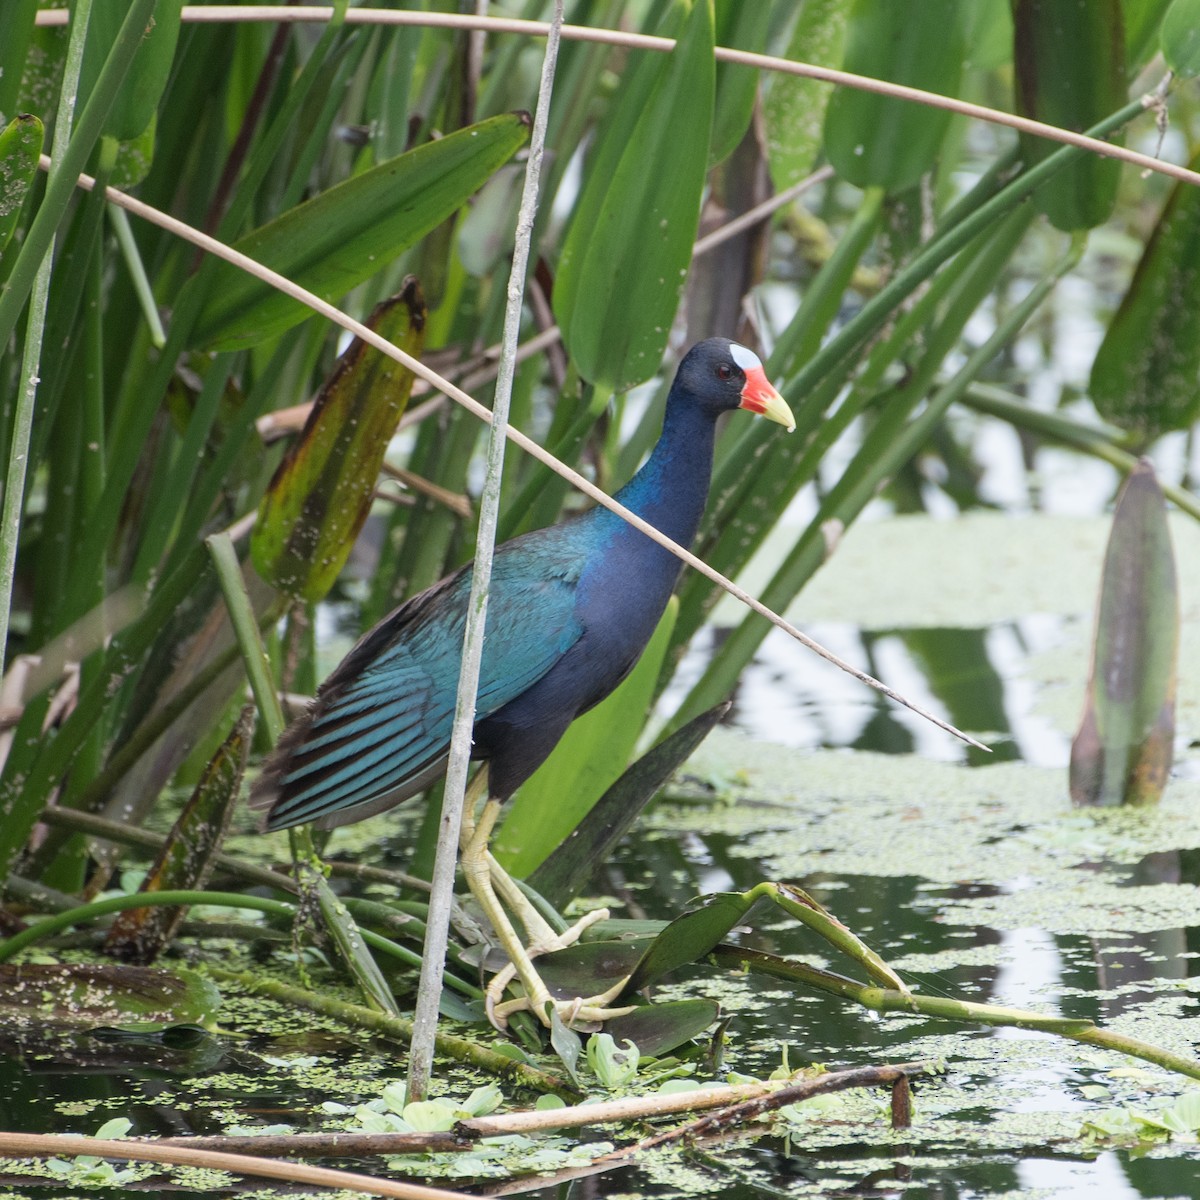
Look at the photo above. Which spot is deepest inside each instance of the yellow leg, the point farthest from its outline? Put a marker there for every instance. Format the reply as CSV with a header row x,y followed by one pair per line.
x,y
485,877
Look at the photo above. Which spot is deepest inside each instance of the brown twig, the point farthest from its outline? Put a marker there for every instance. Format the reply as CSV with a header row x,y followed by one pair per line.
x,y
44,1145
466,1133
737,1115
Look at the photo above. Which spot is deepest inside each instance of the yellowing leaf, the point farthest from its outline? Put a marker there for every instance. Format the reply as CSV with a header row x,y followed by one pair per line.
x,y
1122,752
321,494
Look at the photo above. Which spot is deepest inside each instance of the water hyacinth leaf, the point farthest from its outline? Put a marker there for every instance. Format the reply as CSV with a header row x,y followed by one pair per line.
x,y
1180,36
187,858
1070,72
743,27
794,108
878,141
1144,377
336,240
589,968
321,494
625,258
138,99
567,871
657,1029
20,145
694,934
587,761
83,995
1122,752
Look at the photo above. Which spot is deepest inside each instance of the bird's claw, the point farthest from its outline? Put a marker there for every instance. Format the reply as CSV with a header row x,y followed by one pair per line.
x,y
593,1010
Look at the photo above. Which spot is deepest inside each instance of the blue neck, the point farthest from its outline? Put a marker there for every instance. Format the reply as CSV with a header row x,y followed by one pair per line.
x,y
671,489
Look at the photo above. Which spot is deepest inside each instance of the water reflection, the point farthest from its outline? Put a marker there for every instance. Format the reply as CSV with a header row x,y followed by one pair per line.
x,y
981,680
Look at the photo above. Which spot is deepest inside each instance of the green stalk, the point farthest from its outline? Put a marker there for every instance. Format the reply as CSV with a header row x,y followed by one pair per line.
x,y
351,942
67,164
888,1000
877,311
137,273
31,273
245,628
1098,441
732,538
49,926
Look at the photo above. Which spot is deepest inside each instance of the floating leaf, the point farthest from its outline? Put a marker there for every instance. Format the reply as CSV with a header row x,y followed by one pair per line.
x,y
583,766
321,494
612,1064
1145,374
20,145
589,968
85,996
336,240
879,141
1122,752
626,253
1070,72
189,854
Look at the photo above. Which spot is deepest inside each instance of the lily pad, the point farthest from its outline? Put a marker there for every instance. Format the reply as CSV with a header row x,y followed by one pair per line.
x,y
85,996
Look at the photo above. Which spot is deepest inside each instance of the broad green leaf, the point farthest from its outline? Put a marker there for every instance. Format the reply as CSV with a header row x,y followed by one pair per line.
x,y
1122,752
39,55
693,935
987,35
626,254
187,858
16,32
336,240
20,145
1070,72
794,108
138,100
568,869
1181,38
1143,24
589,759
740,26
1146,373
878,141
321,494
135,157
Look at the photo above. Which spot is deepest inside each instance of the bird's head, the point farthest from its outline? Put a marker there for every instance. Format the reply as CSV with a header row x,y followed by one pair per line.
x,y
722,375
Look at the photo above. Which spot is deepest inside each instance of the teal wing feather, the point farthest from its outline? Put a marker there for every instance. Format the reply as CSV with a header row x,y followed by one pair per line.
x,y
379,729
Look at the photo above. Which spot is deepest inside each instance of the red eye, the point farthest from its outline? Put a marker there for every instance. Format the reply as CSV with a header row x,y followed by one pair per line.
x,y
724,371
